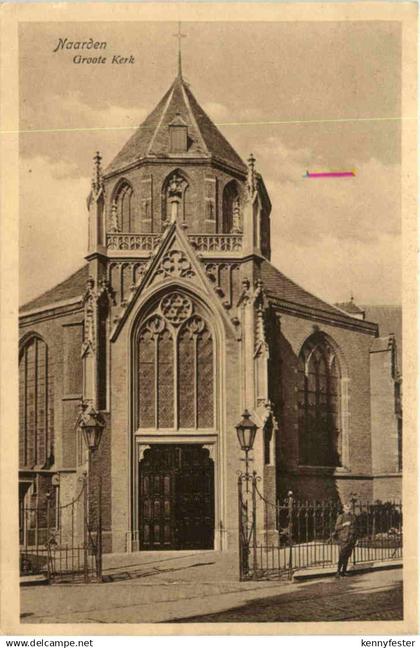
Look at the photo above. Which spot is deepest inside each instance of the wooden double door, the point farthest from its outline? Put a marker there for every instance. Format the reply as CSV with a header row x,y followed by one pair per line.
x,y
176,503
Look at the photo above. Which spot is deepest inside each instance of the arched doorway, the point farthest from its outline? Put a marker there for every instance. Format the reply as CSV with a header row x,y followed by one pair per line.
x,y
176,498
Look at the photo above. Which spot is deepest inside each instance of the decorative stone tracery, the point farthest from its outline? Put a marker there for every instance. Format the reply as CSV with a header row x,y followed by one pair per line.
x,y
175,367
176,307
175,264
93,299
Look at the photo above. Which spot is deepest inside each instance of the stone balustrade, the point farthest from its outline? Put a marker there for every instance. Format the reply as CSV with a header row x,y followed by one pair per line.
x,y
200,242
216,242
146,242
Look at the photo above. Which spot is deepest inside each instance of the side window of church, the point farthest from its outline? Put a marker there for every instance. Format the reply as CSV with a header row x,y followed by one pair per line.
x,y
175,367
319,404
125,210
35,404
231,209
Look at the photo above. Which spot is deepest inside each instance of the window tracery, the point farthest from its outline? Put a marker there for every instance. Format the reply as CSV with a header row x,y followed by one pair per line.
x,y
123,210
35,404
319,404
175,367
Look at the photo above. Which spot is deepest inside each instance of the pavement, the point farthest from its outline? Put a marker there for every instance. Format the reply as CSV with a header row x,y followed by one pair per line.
x,y
184,588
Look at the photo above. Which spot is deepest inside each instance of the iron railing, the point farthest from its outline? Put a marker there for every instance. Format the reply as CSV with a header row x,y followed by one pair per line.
x,y
304,533
59,541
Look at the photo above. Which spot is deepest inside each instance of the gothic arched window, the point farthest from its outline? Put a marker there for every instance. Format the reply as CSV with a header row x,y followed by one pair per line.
x,y
35,404
319,404
175,367
231,208
124,210
176,199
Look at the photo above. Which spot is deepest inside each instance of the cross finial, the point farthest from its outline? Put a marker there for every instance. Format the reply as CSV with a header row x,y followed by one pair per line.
x,y
179,35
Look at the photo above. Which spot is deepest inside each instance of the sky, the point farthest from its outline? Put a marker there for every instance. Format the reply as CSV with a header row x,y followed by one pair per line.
x,y
335,86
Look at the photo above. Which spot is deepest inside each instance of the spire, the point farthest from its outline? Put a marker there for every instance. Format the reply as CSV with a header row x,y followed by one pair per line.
x,y
179,36
97,180
251,173
178,107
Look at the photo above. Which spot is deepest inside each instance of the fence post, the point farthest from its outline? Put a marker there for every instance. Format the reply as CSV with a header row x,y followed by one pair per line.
x,y
240,528
99,532
85,531
47,541
254,522
290,531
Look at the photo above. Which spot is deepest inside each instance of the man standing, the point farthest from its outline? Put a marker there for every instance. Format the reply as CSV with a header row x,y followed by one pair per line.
x,y
345,534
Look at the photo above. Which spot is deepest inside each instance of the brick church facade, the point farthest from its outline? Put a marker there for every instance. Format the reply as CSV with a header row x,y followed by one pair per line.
x,y
176,323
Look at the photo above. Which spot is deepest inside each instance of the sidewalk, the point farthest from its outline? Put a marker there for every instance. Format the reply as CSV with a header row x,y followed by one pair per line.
x,y
170,597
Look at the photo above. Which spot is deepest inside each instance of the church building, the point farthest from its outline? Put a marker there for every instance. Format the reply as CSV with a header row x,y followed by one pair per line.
x,y
175,324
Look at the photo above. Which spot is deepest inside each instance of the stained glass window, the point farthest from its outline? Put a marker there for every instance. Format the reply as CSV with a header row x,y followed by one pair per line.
x,y
176,367
35,404
147,377
186,377
205,380
319,404
165,380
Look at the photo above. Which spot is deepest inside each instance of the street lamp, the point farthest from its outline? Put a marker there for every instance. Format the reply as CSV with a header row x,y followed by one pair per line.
x,y
246,430
92,425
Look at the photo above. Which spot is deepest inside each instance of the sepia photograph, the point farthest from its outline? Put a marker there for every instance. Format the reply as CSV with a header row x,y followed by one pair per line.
x,y
211,426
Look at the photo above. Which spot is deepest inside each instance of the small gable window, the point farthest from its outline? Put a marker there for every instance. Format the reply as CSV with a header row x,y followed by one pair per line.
x,y
178,134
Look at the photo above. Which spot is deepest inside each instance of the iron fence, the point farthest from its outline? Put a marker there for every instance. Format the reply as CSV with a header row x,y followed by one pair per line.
x,y
304,533
61,542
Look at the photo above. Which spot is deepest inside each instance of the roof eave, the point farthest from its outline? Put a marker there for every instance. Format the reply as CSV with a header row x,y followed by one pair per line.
x,y
309,312
177,159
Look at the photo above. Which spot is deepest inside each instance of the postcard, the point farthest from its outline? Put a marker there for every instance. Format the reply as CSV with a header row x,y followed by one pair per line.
x,y
209,318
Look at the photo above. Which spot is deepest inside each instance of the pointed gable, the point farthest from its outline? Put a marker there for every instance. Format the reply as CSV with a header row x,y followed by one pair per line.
x,y
152,138
174,261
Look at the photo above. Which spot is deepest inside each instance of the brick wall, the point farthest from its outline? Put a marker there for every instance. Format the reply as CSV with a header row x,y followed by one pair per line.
x,y
101,472
62,332
384,419
206,183
353,352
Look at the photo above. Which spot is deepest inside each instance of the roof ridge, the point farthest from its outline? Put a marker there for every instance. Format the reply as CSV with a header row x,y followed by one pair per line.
x,y
157,127
192,116
56,287
215,127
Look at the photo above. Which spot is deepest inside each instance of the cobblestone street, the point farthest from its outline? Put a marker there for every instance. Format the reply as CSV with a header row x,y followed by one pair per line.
x,y
359,598
187,598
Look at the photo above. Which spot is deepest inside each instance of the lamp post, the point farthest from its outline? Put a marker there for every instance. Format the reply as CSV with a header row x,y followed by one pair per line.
x,y
246,430
91,424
